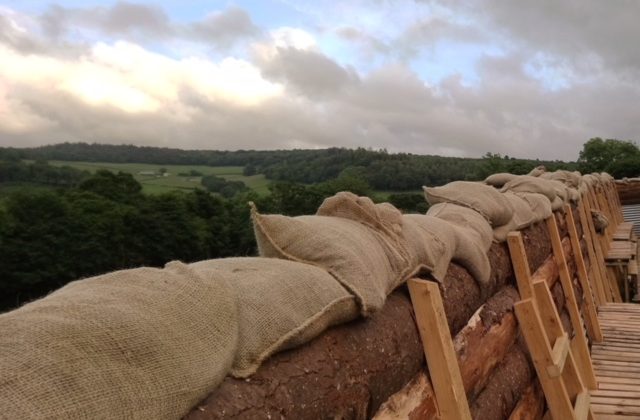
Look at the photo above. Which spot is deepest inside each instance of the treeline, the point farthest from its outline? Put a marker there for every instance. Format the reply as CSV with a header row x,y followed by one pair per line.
x,y
382,170
15,171
106,223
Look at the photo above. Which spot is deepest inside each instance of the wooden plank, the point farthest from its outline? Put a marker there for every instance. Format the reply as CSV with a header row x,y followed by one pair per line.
x,y
591,315
582,406
438,349
559,356
581,347
520,264
616,401
554,388
596,278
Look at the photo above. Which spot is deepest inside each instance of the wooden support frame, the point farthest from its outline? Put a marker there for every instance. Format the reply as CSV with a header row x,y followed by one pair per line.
x,y
579,342
590,312
438,349
553,353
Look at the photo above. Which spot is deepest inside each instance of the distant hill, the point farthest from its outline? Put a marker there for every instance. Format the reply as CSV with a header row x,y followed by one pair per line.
x,y
382,170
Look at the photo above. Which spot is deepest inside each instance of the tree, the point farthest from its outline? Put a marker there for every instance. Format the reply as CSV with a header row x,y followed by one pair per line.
x,y
600,155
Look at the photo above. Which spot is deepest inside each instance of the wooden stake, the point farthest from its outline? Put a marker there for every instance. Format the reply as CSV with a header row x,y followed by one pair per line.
x,y
581,347
439,351
591,315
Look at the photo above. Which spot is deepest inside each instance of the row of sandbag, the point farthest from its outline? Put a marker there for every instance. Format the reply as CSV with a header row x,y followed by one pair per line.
x,y
150,343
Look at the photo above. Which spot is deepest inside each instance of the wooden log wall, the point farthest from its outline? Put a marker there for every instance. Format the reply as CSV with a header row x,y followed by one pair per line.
x,y
375,367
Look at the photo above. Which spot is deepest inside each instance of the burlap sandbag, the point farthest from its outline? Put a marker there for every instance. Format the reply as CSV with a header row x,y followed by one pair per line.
x,y
557,204
530,184
571,179
431,243
138,344
537,171
450,242
539,204
464,217
523,216
281,304
480,197
498,180
383,217
600,221
362,259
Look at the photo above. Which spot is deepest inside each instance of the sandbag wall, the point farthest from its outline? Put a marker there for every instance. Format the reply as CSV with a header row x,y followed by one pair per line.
x,y
497,374
351,370
318,326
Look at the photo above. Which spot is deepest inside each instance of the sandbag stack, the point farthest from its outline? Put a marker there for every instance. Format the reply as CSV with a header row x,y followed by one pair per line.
x,y
151,343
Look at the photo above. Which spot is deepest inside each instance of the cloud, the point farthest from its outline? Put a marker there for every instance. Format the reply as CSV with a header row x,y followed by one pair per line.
x,y
545,83
224,28
142,23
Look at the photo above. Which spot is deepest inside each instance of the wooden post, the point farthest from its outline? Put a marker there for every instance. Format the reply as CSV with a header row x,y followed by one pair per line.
x,y
581,353
591,315
520,264
439,351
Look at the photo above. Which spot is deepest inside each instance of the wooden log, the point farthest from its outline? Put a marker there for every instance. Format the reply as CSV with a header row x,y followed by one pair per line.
x,y
480,346
531,404
347,372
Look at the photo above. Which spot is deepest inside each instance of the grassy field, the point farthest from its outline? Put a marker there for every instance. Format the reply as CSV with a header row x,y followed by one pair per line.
x,y
153,183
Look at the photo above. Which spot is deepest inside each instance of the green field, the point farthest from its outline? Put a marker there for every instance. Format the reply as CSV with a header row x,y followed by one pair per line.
x,y
153,183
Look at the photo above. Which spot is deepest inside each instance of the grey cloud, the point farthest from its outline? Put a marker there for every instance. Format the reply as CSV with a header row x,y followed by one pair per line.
x,y
224,27
15,39
370,43
143,22
125,17
309,72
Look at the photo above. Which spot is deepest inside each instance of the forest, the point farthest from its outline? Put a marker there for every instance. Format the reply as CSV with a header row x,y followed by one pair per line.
x,y
58,224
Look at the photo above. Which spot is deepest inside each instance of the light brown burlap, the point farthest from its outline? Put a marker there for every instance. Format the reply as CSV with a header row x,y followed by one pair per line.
x,y
281,304
364,260
498,180
600,221
537,171
383,217
466,218
523,216
137,344
530,184
431,243
539,205
473,237
571,179
480,197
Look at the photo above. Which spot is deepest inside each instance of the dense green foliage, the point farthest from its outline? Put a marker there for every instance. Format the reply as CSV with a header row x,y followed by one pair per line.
x,y
381,170
619,158
222,186
78,224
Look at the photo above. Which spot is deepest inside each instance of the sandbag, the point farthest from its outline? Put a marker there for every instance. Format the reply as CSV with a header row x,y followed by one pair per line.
x,y
557,204
281,304
600,221
530,184
571,179
431,243
383,217
539,205
523,216
459,244
364,260
498,180
482,198
537,171
145,343
465,218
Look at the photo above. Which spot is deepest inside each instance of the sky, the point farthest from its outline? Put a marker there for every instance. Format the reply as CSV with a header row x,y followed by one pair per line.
x,y
456,78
